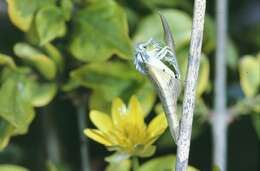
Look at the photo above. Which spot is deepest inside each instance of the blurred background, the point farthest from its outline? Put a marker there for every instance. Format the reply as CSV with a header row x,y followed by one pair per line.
x,y
85,50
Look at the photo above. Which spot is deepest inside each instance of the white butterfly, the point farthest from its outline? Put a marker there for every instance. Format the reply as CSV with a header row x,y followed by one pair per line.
x,y
160,65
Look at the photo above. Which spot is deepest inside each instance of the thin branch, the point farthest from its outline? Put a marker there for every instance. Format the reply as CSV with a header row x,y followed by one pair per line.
x,y
243,106
183,143
220,115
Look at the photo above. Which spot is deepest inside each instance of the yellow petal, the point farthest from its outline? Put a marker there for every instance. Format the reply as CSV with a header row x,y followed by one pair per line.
x,y
135,111
118,109
101,120
157,126
97,136
151,140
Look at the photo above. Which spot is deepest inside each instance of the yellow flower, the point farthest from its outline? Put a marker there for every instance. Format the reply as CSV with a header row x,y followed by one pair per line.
x,y
125,130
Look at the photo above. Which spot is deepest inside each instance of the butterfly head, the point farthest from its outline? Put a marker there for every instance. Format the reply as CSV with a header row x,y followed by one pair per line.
x,y
145,52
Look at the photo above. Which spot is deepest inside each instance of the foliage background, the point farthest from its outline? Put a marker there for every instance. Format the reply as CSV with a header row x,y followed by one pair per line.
x,y
76,52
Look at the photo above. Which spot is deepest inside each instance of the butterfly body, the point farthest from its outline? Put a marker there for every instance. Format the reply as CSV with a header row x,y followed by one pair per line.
x,y
160,65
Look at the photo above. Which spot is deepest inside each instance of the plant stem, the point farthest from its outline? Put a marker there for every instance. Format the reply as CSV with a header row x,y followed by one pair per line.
x,y
183,143
135,164
220,115
51,139
85,164
244,106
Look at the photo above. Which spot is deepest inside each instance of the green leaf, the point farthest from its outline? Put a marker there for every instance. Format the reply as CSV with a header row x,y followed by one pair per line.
x,y
98,102
15,104
231,55
249,69
7,60
72,84
55,55
165,141
6,167
39,60
145,151
154,4
203,79
124,165
209,42
151,27
100,31
256,123
50,24
112,79
117,157
43,93
56,167
22,12
146,95
216,168
66,6
165,163
51,166
19,92
6,131
109,77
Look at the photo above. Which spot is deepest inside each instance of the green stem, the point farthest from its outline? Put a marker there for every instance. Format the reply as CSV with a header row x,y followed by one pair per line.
x,y
80,104
85,164
135,164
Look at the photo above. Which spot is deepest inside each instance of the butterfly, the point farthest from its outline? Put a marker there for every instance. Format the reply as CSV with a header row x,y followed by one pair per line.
x,y
159,63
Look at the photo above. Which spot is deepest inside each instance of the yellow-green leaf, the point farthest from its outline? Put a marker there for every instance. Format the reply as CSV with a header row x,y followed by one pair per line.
x,y
231,54
154,4
112,78
161,164
256,123
145,151
39,60
67,7
216,168
7,60
249,69
179,22
7,167
43,93
124,165
55,55
100,31
146,95
15,101
21,12
98,102
209,37
6,131
51,166
50,24
117,157
203,79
